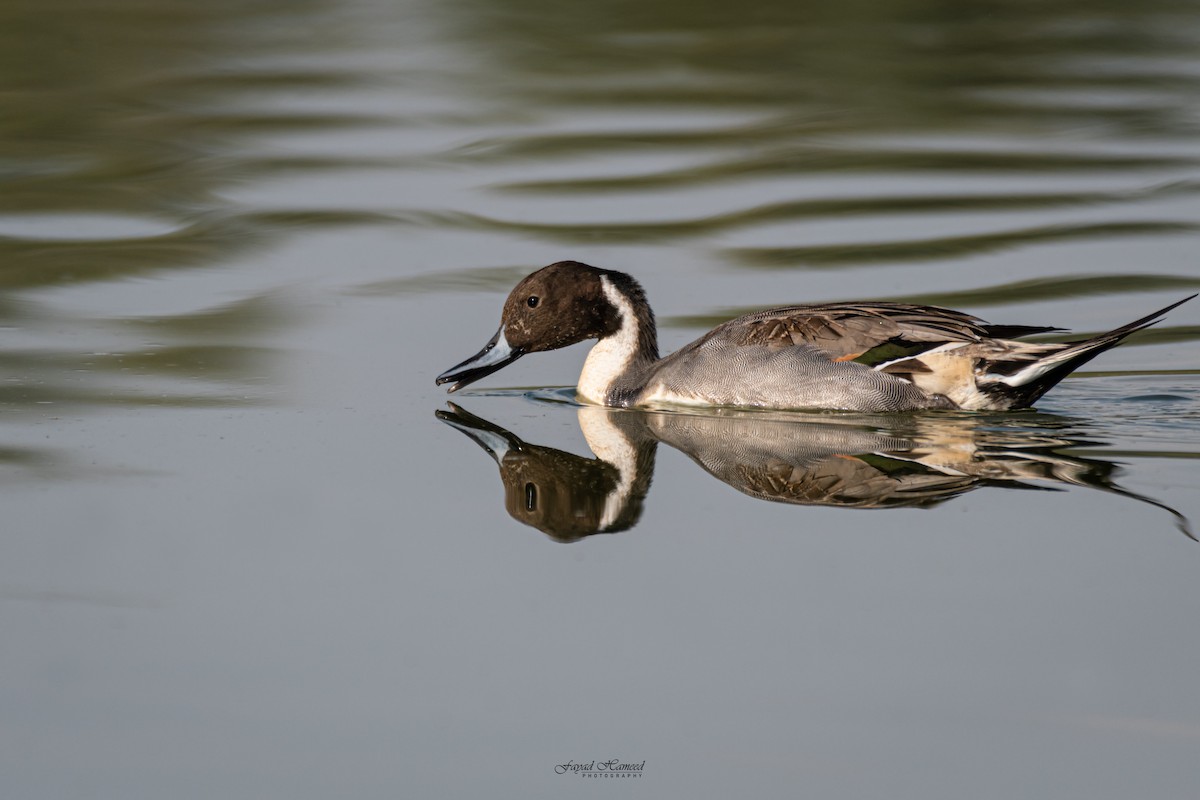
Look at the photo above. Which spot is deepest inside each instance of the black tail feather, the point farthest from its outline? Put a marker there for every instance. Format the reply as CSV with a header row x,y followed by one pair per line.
x,y
1018,331
1075,354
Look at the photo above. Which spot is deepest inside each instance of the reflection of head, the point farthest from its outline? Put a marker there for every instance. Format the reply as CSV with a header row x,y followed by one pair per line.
x,y
564,495
558,493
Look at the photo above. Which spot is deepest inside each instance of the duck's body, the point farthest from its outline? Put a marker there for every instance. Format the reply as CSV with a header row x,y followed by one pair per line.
x,y
851,356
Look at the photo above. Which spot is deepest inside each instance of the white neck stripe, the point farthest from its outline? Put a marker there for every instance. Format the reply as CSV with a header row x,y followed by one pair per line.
x,y
611,356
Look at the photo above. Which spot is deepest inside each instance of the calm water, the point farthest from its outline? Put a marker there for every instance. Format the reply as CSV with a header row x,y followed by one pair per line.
x,y
250,551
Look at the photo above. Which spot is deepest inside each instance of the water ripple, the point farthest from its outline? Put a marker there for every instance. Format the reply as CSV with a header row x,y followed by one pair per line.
x,y
849,254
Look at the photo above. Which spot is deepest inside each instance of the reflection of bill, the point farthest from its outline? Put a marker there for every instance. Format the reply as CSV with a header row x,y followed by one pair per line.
x,y
845,461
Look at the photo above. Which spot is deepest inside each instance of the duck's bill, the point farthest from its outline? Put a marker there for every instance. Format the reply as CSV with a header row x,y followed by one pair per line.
x,y
495,355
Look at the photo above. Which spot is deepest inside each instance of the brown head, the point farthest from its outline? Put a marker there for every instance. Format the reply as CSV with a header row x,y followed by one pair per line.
x,y
554,307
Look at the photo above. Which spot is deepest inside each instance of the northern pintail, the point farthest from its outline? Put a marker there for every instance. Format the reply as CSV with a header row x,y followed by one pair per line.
x,y
850,356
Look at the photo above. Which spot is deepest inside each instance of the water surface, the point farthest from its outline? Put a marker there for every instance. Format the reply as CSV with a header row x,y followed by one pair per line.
x,y
245,554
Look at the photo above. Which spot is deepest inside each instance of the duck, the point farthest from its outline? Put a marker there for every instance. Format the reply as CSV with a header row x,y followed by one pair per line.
x,y
847,356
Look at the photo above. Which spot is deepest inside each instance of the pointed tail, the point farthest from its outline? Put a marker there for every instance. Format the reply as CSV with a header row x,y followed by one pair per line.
x,y
1031,381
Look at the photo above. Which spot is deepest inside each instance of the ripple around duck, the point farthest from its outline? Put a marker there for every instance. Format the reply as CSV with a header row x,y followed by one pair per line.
x,y
1144,411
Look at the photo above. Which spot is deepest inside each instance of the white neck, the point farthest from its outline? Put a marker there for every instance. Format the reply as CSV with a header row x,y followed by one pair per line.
x,y
612,355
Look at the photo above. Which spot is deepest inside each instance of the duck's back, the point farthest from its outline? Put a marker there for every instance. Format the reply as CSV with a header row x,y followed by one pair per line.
x,y
800,357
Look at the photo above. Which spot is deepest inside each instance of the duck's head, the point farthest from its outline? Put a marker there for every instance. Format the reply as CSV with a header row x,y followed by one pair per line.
x,y
554,307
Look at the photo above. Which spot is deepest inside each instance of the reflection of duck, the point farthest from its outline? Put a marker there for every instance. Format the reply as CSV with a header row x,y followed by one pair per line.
x,y
849,356
852,462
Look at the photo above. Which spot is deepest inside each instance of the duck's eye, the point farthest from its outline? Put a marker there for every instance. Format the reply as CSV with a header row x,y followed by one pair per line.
x,y
530,497
532,301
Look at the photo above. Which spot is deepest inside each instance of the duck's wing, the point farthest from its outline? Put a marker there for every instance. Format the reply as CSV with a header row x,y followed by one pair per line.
x,y
847,331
